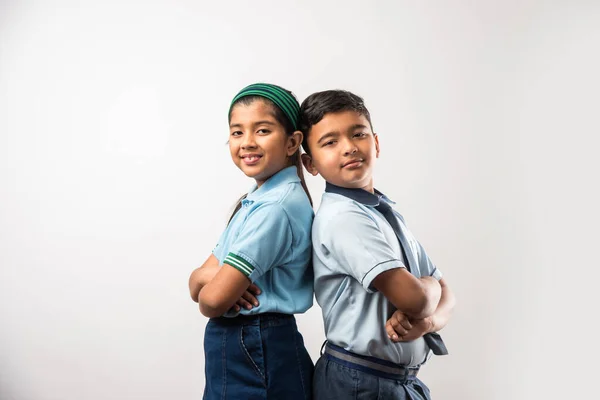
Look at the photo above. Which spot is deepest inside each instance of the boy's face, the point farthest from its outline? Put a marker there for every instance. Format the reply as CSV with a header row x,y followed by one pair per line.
x,y
343,150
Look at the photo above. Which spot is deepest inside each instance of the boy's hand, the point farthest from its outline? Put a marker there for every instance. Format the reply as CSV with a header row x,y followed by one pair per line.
x,y
397,326
401,329
420,327
248,299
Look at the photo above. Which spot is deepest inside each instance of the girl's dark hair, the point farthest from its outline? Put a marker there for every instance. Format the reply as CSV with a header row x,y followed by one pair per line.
x,y
289,130
315,106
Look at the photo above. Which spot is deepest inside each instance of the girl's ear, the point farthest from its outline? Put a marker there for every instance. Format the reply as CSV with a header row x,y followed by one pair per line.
x,y
294,142
376,137
308,164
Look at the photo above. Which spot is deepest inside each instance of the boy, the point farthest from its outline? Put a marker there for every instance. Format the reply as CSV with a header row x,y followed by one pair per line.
x,y
381,296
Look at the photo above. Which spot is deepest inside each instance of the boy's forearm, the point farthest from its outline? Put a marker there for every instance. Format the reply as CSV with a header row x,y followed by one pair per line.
x,y
432,292
417,298
442,314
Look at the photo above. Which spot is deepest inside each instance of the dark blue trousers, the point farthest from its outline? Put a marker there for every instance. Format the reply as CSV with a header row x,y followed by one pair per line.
x,y
338,379
256,357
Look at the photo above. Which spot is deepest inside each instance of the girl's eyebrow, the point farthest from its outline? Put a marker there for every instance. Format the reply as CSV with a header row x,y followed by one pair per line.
x,y
265,122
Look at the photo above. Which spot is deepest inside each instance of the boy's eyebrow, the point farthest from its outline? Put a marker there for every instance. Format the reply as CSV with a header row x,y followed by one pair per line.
x,y
357,126
327,136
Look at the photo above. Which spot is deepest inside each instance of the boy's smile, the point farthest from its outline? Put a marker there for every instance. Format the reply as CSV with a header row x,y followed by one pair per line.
x,y
343,150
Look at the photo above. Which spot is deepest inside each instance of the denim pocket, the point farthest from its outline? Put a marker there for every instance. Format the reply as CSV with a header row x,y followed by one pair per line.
x,y
251,344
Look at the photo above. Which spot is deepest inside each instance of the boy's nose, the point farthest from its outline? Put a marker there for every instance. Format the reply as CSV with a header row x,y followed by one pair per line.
x,y
350,150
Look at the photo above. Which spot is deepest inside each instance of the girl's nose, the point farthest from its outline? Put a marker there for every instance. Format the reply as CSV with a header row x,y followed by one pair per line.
x,y
248,142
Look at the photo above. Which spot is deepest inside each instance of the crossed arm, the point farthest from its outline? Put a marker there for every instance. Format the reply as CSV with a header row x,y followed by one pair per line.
x,y
219,288
415,297
404,327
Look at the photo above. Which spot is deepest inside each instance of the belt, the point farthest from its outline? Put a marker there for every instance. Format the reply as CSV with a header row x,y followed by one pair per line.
x,y
253,319
370,365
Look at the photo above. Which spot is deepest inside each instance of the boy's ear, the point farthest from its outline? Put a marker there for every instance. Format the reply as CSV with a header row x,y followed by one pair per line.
x,y
294,142
376,136
308,164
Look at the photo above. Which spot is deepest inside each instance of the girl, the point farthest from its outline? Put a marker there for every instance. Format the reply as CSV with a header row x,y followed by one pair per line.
x,y
259,273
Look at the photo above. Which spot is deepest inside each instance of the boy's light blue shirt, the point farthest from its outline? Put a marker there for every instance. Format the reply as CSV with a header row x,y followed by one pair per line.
x,y
268,240
352,244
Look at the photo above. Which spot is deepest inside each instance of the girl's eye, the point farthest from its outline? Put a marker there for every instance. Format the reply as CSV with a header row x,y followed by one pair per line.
x,y
236,133
264,131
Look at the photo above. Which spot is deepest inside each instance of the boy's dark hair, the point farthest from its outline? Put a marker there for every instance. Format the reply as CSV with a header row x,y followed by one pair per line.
x,y
315,106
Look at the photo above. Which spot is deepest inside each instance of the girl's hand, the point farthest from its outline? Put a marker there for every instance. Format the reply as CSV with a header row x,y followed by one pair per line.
x,y
248,299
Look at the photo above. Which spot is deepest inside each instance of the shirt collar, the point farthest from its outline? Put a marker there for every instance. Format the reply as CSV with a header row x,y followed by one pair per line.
x,y
359,195
284,176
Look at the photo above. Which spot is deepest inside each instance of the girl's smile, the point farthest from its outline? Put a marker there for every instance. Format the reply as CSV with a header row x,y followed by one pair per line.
x,y
251,159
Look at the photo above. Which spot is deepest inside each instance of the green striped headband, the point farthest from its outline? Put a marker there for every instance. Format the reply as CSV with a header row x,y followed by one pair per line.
x,y
282,99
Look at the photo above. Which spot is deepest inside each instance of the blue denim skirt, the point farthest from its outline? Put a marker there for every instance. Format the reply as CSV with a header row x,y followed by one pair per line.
x,y
256,357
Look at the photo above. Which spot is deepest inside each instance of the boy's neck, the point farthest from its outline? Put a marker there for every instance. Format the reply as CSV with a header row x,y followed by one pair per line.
x,y
369,188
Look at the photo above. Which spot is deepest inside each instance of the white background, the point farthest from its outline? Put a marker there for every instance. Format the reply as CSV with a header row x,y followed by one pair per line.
x,y
115,180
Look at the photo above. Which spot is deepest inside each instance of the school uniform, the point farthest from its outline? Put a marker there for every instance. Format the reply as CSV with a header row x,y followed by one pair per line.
x,y
353,242
259,353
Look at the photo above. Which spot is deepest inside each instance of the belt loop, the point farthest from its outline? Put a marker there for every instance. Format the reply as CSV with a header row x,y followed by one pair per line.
x,y
322,347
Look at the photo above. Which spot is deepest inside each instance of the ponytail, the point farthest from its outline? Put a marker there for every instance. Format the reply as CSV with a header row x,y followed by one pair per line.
x,y
237,207
298,163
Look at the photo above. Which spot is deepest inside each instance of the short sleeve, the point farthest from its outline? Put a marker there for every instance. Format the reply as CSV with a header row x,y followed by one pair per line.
x,y
264,241
427,267
359,246
218,250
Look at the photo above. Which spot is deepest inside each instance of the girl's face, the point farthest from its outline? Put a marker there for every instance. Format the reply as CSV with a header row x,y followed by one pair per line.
x,y
258,143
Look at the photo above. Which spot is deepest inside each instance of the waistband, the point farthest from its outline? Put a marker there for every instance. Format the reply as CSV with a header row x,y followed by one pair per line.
x,y
254,319
370,365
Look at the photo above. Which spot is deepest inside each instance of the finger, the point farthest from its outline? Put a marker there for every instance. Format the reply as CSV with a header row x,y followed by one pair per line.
x,y
243,303
250,298
401,318
391,332
406,324
399,329
255,290
409,337
413,334
235,308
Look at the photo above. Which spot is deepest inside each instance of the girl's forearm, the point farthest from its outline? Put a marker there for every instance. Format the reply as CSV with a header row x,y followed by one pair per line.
x,y
200,277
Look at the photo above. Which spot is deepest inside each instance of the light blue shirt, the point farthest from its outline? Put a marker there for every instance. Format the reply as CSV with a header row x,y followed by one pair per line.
x,y
268,240
352,244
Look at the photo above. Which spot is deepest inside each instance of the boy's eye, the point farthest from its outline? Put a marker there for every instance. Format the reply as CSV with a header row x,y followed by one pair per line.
x,y
360,134
331,142
236,133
